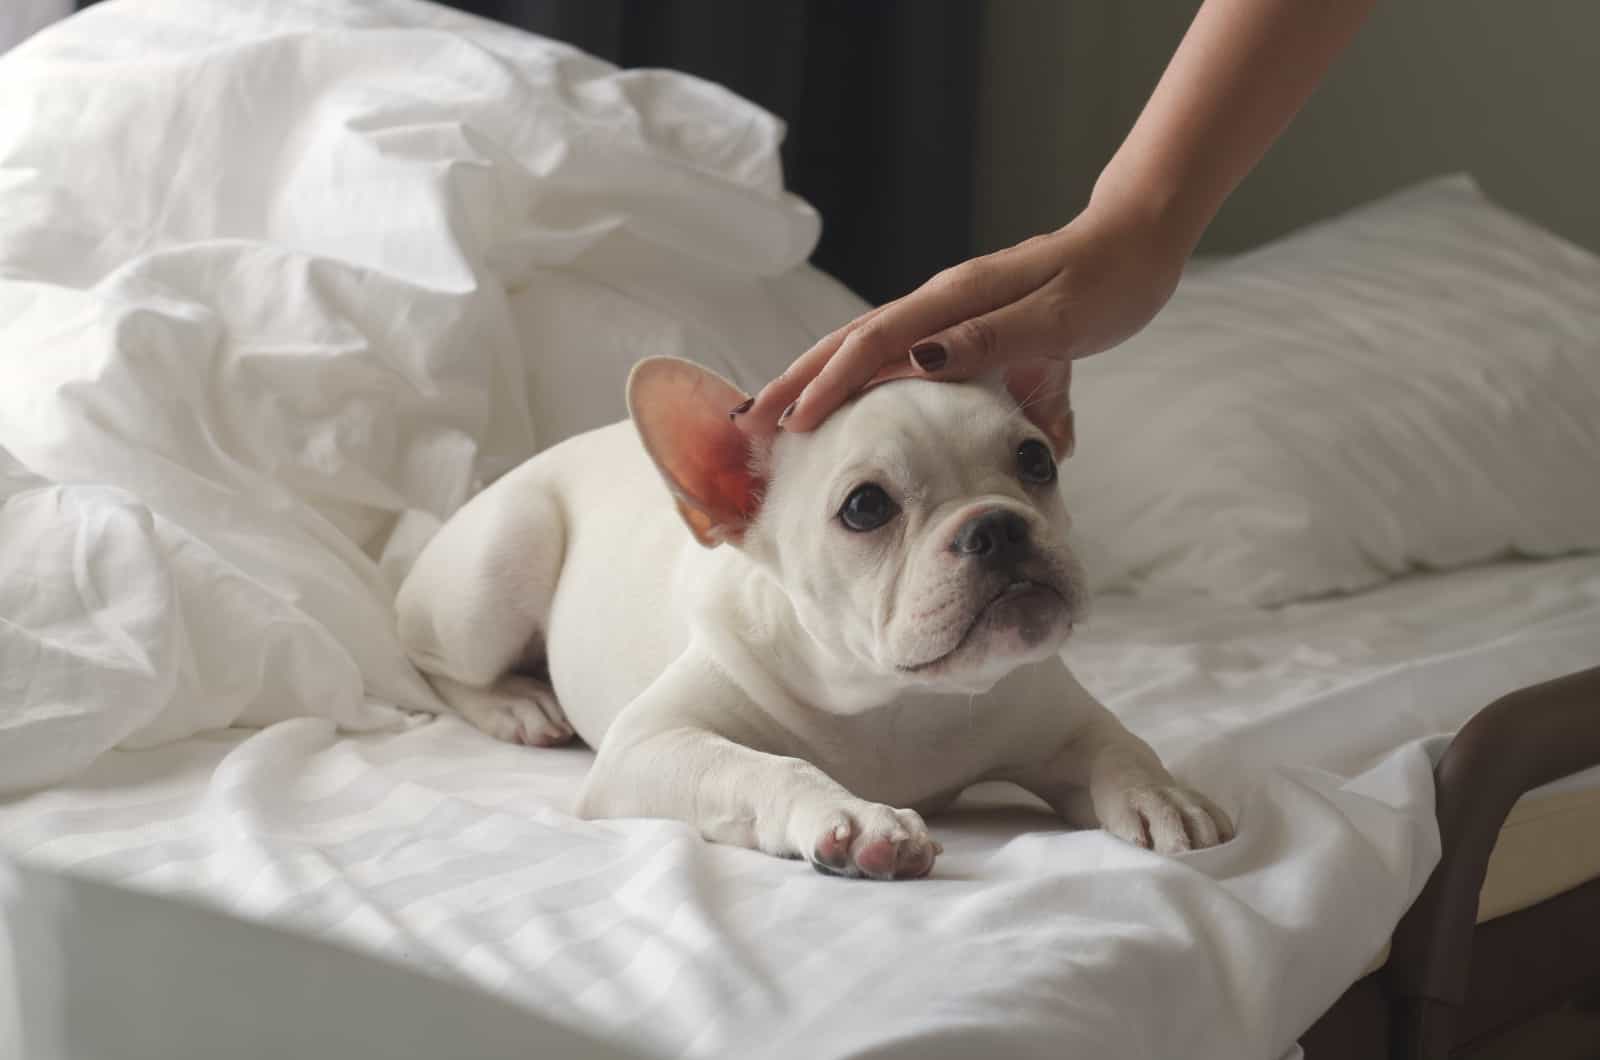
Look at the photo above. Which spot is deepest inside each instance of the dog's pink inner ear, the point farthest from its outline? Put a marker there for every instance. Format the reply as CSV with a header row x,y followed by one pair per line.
x,y
1042,388
681,412
707,461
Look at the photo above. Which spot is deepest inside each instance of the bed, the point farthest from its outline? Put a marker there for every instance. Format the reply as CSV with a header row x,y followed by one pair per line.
x,y
251,354
440,849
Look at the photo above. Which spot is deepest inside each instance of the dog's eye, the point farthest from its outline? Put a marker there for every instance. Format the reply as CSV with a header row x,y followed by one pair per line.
x,y
1035,464
867,508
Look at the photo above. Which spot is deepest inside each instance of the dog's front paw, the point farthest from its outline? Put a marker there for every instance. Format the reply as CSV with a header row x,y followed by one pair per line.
x,y
871,840
1164,818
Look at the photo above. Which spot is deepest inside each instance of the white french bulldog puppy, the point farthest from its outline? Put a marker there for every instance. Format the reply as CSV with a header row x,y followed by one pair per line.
x,y
824,638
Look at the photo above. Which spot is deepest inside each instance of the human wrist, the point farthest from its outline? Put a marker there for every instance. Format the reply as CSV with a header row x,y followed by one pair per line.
x,y
1167,215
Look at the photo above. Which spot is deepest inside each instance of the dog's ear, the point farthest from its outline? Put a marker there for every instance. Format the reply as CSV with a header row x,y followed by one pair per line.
x,y
1042,389
681,413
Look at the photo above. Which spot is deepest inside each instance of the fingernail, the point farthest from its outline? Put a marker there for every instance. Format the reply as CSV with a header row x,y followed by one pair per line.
x,y
741,408
929,356
787,412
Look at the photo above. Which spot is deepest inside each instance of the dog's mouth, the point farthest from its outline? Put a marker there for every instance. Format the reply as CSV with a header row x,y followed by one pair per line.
x,y
1030,608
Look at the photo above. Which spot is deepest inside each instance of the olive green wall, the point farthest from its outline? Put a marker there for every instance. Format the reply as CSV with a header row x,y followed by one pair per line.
x,y
1508,90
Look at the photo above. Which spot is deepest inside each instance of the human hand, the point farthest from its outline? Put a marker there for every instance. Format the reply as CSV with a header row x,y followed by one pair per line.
x,y
1076,291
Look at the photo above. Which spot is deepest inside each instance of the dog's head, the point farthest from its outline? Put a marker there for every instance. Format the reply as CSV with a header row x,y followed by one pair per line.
x,y
919,532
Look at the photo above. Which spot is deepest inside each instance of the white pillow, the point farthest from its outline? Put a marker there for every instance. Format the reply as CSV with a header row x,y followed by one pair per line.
x,y
1415,383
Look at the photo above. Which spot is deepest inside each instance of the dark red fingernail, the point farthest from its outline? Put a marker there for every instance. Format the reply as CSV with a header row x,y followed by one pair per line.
x,y
787,412
929,356
741,408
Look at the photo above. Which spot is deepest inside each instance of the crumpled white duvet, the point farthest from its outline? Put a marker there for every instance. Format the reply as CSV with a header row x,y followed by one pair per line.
x,y
280,281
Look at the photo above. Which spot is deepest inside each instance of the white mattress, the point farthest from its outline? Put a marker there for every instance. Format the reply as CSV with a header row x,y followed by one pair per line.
x,y
440,847
248,360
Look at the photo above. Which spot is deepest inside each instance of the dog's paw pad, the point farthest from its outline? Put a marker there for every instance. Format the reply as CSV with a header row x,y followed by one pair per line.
x,y
876,842
832,851
879,857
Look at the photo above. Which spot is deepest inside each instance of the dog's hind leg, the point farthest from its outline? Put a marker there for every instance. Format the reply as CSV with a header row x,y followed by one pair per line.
x,y
474,610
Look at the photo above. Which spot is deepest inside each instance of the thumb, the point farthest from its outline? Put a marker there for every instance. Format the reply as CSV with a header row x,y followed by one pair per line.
x,y
1034,326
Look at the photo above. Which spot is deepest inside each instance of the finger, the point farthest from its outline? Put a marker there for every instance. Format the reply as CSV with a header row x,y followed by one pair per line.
x,y
861,357
1038,326
966,291
762,415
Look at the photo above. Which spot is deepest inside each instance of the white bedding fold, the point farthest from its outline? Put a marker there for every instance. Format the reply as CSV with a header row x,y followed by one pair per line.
x,y
439,849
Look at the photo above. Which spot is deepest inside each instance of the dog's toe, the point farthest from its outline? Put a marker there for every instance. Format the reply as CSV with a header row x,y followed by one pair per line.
x,y
832,851
1168,820
875,842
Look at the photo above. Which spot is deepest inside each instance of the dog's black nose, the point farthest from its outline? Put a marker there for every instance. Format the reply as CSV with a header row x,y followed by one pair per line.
x,y
996,538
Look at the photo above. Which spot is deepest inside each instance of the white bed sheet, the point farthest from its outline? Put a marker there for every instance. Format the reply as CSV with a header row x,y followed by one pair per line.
x,y
440,847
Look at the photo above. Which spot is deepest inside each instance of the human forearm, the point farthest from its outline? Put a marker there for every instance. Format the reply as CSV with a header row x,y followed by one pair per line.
x,y
1244,69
